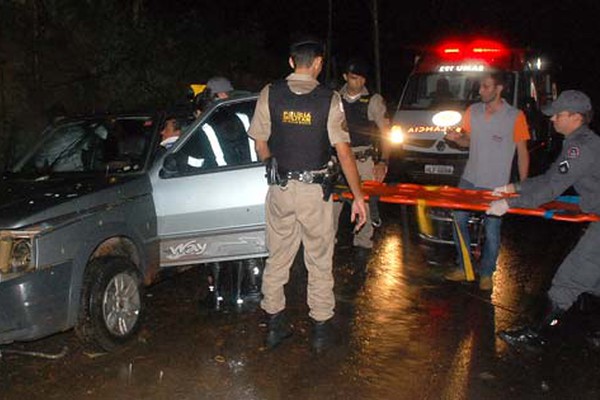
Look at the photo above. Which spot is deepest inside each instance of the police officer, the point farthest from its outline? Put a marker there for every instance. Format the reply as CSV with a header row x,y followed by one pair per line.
x,y
578,165
217,88
367,123
295,123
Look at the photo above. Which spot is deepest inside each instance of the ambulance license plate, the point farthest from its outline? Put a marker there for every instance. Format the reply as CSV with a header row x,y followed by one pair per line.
x,y
439,169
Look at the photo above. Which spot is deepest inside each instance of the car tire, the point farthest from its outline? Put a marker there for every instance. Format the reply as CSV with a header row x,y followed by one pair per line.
x,y
112,304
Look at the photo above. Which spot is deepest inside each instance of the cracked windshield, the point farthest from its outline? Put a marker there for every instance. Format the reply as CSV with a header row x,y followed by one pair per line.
x,y
96,145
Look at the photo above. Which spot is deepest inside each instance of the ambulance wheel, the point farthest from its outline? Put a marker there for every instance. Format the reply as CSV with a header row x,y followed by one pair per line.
x,y
112,306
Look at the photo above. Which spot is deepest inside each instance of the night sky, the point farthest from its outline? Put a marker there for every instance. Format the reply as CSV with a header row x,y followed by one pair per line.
x,y
564,30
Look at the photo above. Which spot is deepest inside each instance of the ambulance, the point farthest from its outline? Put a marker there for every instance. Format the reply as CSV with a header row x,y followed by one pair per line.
x,y
444,82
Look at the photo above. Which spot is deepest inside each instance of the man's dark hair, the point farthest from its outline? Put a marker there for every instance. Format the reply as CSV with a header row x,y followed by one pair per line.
x,y
304,52
498,77
175,119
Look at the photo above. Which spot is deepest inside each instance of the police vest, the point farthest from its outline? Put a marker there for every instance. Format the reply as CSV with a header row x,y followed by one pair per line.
x,y
299,138
362,131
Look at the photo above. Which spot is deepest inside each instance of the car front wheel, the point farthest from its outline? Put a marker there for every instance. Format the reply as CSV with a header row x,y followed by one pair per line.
x,y
111,303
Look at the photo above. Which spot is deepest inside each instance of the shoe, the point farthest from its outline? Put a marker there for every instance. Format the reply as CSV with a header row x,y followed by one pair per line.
x,y
524,338
279,330
361,257
486,284
458,275
322,336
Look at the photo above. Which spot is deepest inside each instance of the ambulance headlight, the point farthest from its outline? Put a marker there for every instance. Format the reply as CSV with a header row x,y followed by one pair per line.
x,y
397,135
446,119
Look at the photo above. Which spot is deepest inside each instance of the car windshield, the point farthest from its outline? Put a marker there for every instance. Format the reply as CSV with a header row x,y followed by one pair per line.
x,y
118,145
452,90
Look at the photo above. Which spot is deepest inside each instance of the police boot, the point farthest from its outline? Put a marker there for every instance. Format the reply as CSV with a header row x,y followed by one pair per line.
x,y
588,306
361,260
592,339
534,340
279,330
322,336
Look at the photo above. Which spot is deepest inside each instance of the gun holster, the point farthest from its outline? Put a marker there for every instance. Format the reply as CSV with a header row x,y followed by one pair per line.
x,y
330,179
272,175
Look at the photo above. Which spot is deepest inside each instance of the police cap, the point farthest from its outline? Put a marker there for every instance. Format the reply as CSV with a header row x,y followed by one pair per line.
x,y
357,67
219,84
569,100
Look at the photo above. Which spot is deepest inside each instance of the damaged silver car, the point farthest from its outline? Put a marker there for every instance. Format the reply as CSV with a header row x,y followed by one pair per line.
x,y
96,209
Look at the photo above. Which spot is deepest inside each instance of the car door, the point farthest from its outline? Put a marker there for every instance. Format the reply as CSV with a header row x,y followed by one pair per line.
x,y
209,190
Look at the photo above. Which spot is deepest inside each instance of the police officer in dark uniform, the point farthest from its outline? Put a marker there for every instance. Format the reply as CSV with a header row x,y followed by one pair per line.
x,y
367,123
578,165
295,123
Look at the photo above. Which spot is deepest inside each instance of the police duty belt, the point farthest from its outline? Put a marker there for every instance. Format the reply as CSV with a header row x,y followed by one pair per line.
x,y
306,176
362,155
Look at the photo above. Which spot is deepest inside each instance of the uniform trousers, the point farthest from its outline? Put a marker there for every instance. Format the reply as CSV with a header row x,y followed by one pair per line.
x,y
364,237
579,272
297,214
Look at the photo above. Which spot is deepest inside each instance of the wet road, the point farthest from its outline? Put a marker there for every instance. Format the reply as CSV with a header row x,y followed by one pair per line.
x,y
403,333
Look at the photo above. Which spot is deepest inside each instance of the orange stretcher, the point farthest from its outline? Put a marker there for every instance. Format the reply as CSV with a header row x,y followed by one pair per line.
x,y
564,208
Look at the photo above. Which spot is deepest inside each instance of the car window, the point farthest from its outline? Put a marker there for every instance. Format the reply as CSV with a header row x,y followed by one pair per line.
x,y
221,141
92,145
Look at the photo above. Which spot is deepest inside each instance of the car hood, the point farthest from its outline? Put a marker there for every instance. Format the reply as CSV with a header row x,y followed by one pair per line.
x,y
25,202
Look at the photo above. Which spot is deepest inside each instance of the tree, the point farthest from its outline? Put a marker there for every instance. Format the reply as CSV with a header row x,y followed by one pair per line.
x,y
90,56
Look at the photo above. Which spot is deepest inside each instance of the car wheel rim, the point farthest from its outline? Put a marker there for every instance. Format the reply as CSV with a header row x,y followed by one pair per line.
x,y
121,304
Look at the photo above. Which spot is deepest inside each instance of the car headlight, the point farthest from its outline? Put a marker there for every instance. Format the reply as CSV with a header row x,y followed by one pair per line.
x,y
16,254
397,135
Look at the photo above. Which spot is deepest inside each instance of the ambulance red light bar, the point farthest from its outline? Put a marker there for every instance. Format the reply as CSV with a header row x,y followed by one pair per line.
x,y
451,50
485,50
480,48
488,47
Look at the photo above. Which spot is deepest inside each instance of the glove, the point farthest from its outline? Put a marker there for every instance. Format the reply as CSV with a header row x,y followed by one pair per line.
x,y
501,191
506,189
498,208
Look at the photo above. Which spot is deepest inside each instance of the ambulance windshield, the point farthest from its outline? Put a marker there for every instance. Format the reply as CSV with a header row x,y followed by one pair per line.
x,y
440,91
